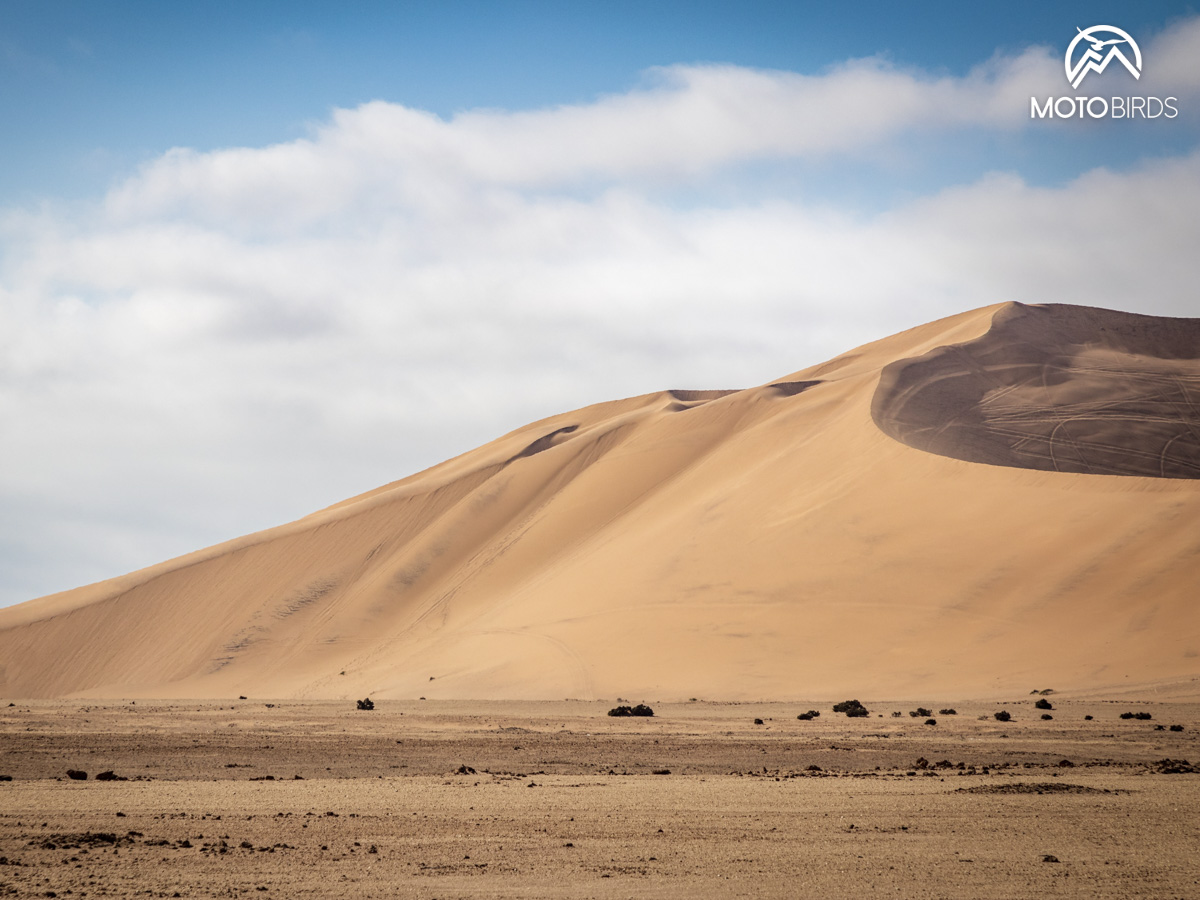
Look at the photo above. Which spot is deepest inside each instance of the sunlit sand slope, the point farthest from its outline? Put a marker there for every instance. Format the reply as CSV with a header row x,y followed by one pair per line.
x,y
769,542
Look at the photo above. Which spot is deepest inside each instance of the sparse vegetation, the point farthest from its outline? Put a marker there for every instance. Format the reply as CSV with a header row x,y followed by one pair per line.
x,y
1003,716
1046,717
920,712
931,721
366,704
852,708
1141,716
806,716
1043,704
1175,767
640,710
948,712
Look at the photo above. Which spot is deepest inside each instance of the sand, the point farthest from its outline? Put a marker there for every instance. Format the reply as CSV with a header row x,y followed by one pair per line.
x,y
1064,389
769,543
564,800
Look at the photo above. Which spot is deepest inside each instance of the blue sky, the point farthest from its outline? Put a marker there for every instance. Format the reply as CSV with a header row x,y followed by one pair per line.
x,y
258,257
91,89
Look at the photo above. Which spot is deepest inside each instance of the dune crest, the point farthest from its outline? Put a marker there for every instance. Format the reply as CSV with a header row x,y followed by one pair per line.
x,y
772,542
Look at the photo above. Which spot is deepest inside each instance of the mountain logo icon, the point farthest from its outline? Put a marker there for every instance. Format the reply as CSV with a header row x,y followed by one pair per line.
x,y
1100,45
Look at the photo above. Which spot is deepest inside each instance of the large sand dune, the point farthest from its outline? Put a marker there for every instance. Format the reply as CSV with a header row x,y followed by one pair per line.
x,y
920,516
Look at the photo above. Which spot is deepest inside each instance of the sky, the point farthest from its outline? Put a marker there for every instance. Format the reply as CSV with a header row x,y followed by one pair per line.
x,y
258,257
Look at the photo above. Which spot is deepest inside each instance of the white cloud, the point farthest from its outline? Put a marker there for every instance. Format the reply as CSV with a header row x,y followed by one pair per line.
x,y
232,339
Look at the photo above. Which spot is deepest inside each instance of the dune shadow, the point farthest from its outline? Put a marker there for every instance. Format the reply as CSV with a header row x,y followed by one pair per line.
x,y
1057,388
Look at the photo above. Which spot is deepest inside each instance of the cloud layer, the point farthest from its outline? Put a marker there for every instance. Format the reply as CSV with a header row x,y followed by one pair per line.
x,y
228,340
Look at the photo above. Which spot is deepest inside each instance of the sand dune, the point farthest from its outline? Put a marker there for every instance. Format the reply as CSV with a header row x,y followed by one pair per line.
x,y
920,516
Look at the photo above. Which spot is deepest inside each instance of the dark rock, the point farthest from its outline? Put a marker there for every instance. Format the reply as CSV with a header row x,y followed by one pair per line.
x,y
367,704
640,710
1003,716
76,775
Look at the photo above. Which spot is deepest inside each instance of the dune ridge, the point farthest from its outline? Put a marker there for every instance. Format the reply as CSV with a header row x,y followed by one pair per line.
x,y
805,538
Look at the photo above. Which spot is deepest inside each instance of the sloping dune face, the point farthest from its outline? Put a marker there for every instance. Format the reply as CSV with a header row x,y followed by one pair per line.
x,y
771,542
1058,388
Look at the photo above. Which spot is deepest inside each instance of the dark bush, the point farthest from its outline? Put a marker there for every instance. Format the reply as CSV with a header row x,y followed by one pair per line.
x,y
76,775
1043,704
1046,717
640,710
110,776
852,708
1003,716
1087,718
1141,716
948,712
366,704
1177,728
806,716
1175,767
758,721
931,721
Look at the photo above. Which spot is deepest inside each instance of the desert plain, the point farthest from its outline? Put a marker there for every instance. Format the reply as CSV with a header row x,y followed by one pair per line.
x,y
446,799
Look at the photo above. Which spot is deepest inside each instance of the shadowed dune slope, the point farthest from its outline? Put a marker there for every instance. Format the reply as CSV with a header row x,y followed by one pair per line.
x,y
1061,388
769,542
